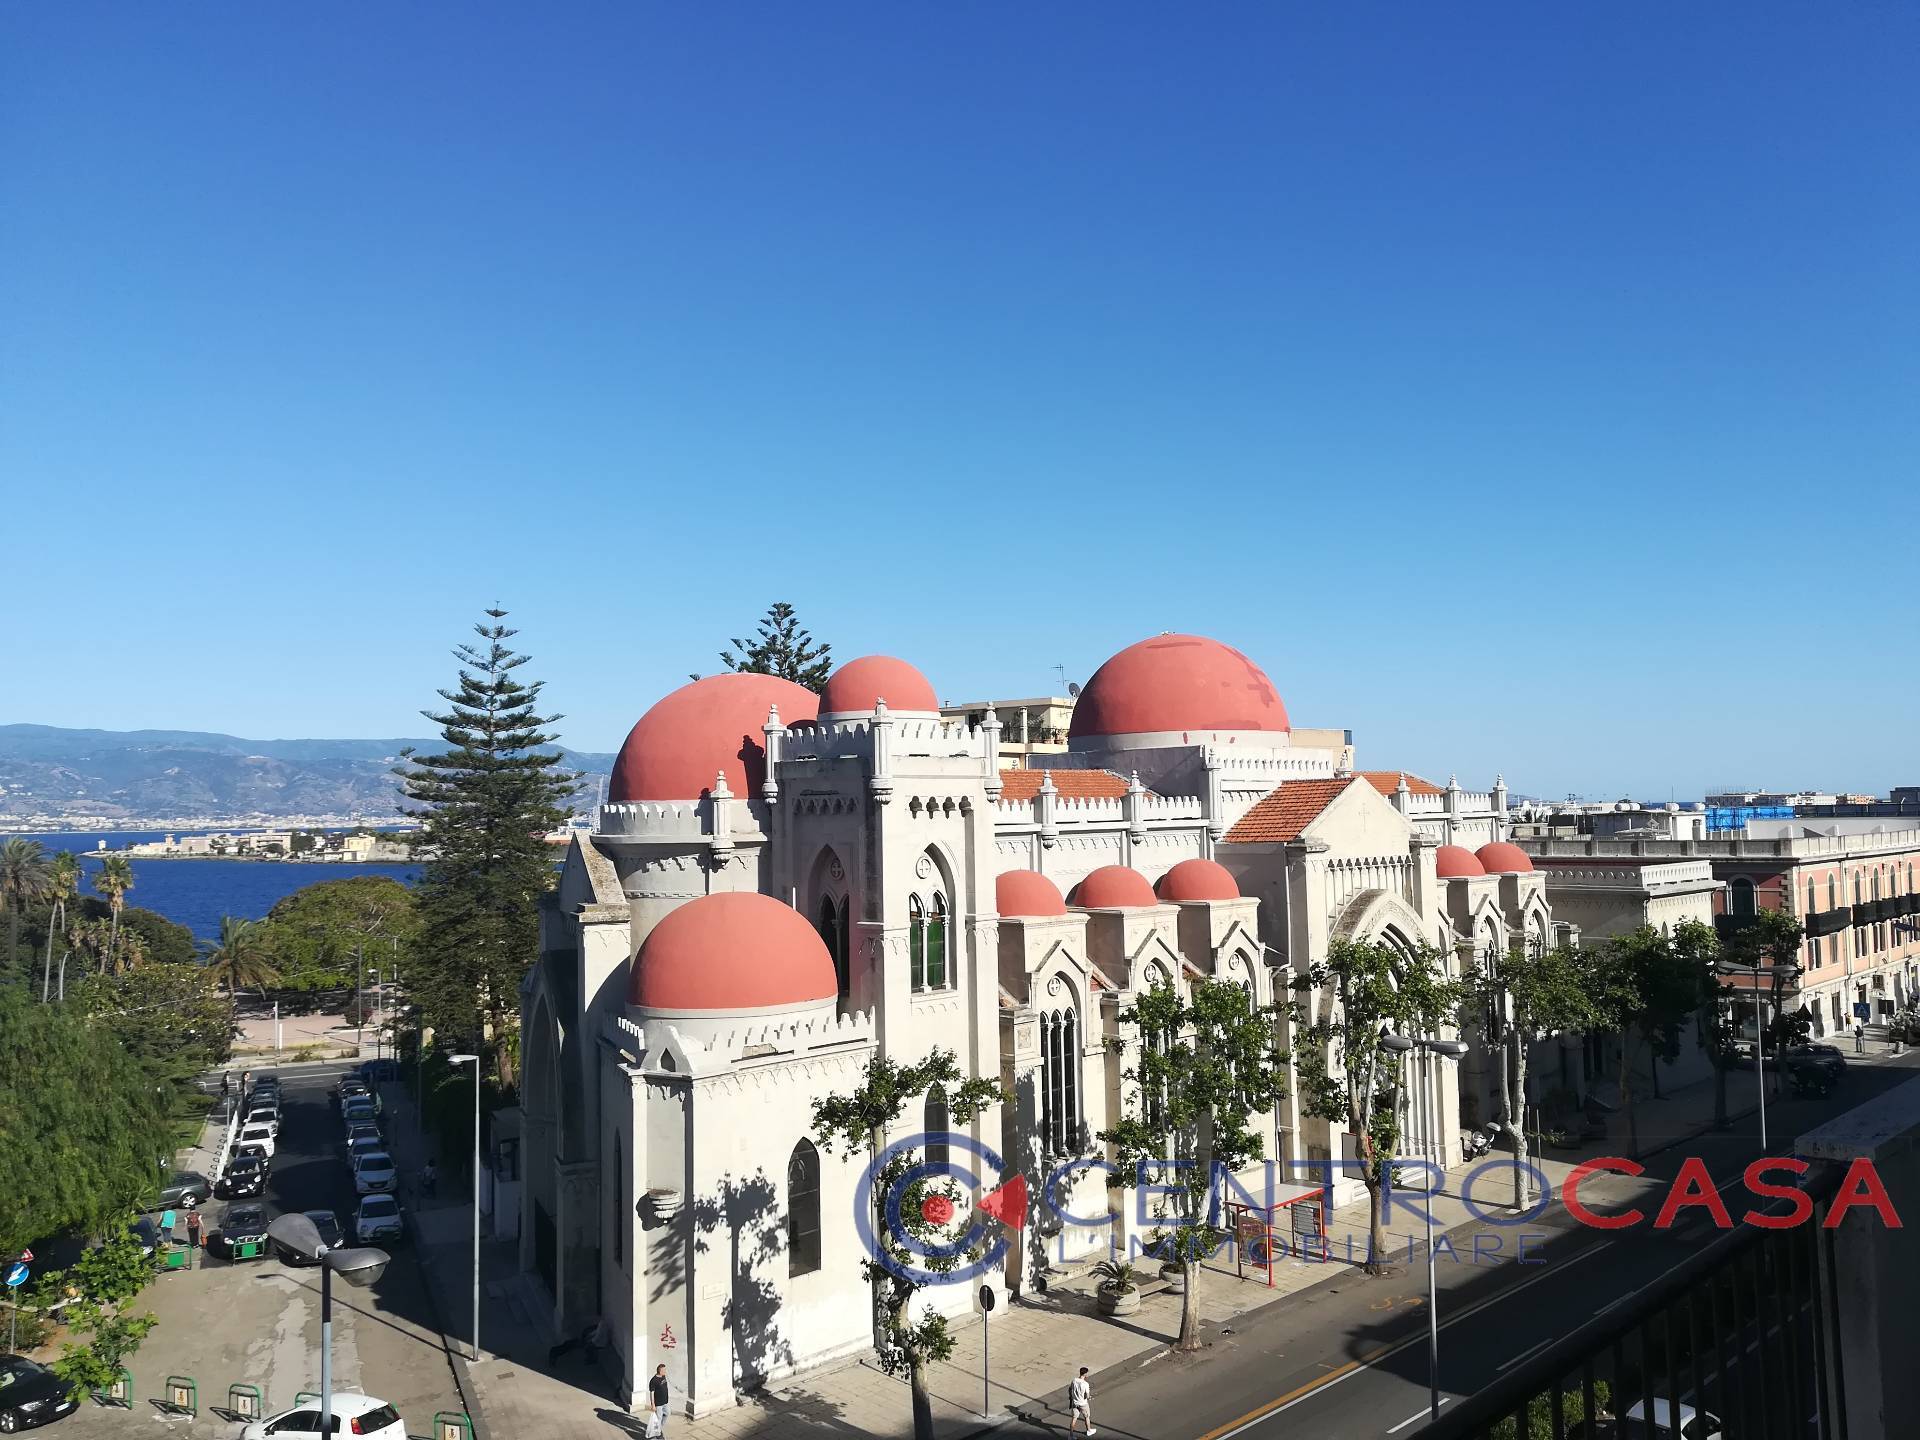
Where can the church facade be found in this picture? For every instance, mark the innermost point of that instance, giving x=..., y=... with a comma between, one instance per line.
x=783, y=885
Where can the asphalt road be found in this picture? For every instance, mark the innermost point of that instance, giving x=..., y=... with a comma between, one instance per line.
x=1348, y=1357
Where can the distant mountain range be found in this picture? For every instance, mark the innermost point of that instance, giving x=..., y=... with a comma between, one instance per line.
x=47, y=771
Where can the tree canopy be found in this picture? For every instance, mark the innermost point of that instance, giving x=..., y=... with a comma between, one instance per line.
x=782, y=648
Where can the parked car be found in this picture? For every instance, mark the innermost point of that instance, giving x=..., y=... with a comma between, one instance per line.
x=359, y=1415
x=364, y=1145
x=1825, y=1057
x=268, y=1117
x=244, y=1225
x=362, y=1130
x=346, y=1089
x=374, y=1171
x=257, y=1152
x=327, y=1223
x=31, y=1394
x=261, y=1135
x=1694, y=1424
x=372, y=1072
x=184, y=1190
x=246, y=1176
x=378, y=1218
x=358, y=1113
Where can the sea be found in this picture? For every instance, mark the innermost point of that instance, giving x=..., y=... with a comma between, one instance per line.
x=196, y=893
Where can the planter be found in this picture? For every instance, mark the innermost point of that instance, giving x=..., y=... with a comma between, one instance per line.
x=1175, y=1275
x=1117, y=1302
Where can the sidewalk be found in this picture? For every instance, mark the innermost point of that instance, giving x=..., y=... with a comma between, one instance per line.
x=1035, y=1341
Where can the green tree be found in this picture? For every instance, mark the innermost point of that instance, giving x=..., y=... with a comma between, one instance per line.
x=1532, y=994
x=111, y=1336
x=82, y=1126
x=1772, y=942
x=1342, y=1073
x=322, y=936
x=114, y=881
x=782, y=648
x=1203, y=1069
x=25, y=876
x=857, y=1123
x=240, y=958
x=1643, y=989
x=486, y=803
x=63, y=884
x=172, y=1020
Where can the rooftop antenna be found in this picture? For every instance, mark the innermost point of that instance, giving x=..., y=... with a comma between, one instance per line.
x=1061, y=671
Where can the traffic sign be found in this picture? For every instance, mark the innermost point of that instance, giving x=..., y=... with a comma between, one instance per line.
x=26, y=1254
x=17, y=1274
x=1861, y=1010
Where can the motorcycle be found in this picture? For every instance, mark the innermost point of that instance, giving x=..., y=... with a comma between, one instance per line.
x=1479, y=1142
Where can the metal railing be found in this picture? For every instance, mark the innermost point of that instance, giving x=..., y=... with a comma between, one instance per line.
x=1743, y=1330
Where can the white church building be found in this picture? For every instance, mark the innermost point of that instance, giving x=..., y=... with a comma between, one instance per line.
x=783, y=885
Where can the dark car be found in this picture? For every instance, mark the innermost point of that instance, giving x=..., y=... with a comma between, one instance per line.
x=243, y=1233
x=31, y=1394
x=373, y=1072
x=1824, y=1057
x=246, y=1176
x=327, y=1223
x=184, y=1190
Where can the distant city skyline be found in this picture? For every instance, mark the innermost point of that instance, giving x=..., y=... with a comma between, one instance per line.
x=1528, y=390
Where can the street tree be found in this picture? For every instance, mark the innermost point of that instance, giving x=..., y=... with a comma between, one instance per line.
x=170, y=1019
x=1643, y=989
x=1771, y=941
x=322, y=936
x=240, y=958
x=1342, y=1073
x=1203, y=1068
x=784, y=649
x=114, y=882
x=25, y=876
x=63, y=884
x=1527, y=997
x=857, y=1123
x=485, y=804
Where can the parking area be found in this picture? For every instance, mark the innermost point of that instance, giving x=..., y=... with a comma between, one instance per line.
x=257, y=1322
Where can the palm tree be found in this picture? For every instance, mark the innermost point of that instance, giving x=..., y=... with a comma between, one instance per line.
x=24, y=876
x=241, y=958
x=63, y=884
x=114, y=881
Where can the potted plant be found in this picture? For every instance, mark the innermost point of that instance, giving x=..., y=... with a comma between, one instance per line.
x=1119, y=1292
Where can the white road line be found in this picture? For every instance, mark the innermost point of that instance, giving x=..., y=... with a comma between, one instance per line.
x=1535, y=1350
x=1419, y=1414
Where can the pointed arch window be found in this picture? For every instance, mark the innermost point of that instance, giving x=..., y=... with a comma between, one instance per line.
x=938, y=1124
x=833, y=928
x=1060, y=1080
x=930, y=943
x=803, y=1210
x=938, y=970
x=917, y=941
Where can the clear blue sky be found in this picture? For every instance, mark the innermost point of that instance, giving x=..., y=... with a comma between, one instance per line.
x=1527, y=387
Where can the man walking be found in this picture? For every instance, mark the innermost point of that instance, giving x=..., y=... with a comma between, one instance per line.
x=193, y=1235
x=657, y=1396
x=1080, y=1398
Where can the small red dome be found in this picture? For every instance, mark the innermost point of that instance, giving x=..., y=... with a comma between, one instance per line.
x=1454, y=861
x=1027, y=893
x=1177, y=682
x=854, y=687
x=712, y=726
x=1114, y=887
x=732, y=952
x=1197, y=880
x=1501, y=858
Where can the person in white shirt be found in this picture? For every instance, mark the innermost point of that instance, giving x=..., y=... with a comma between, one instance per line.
x=1080, y=1398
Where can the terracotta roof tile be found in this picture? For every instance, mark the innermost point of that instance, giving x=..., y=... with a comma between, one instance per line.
x=1287, y=810
x=1072, y=784
x=1388, y=781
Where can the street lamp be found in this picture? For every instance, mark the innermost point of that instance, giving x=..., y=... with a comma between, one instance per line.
x=1780, y=973
x=474, y=1060
x=1446, y=1050
x=361, y=1267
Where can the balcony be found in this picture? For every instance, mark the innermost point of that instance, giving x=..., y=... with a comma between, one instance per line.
x=1868, y=912
x=1828, y=922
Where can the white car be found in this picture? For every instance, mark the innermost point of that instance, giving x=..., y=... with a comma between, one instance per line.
x=361, y=1416
x=374, y=1171
x=1694, y=1424
x=364, y=1145
x=264, y=1115
x=378, y=1218
x=252, y=1134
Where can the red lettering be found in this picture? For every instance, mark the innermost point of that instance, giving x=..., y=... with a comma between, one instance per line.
x=1861, y=1186
x=1693, y=1189
x=1570, y=1192
x=1802, y=1209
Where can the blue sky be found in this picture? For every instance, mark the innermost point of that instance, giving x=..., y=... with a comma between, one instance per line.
x=1526, y=387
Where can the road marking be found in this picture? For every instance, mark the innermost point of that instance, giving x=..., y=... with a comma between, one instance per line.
x=1419, y=1415
x=1534, y=1350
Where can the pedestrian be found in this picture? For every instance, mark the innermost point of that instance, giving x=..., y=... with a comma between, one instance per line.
x=1080, y=1398
x=226, y=1083
x=657, y=1394
x=1859, y=1038
x=193, y=1234
x=429, y=1178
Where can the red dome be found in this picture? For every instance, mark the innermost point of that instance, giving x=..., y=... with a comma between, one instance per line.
x=732, y=952
x=1197, y=880
x=1454, y=861
x=1500, y=858
x=1027, y=893
x=1177, y=683
x=857, y=684
x=1113, y=887
x=713, y=725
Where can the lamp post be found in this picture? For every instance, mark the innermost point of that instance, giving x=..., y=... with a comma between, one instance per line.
x=1780, y=973
x=474, y=1060
x=361, y=1267
x=1446, y=1050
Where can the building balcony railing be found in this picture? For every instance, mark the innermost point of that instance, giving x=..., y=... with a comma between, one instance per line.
x=1746, y=1329
x=1868, y=912
x=1828, y=922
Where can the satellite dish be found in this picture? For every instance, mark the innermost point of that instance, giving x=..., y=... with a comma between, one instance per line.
x=1073, y=688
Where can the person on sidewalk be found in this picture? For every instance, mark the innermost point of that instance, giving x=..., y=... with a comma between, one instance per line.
x=657, y=1397
x=193, y=1234
x=1080, y=1400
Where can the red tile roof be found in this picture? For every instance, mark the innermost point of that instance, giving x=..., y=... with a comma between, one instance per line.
x=1287, y=810
x=1072, y=784
x=1388, y=781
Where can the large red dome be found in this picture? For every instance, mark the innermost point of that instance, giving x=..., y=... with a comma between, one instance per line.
x=1452, y=862
x=854, y=687
x=730, y=951
x=1026, y=894
x=1198, y=880
x=712, y=726
x=1114, y=887
x=1177, y=683
x=1501, y=858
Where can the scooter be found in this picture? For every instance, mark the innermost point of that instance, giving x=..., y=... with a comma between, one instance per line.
x=1479, y=1142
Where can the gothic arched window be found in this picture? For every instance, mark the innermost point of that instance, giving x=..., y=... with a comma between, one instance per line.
x=939, y=972
x=803, y=1209
x=1060, y=1080
x=917, y=941
x=832, y=926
